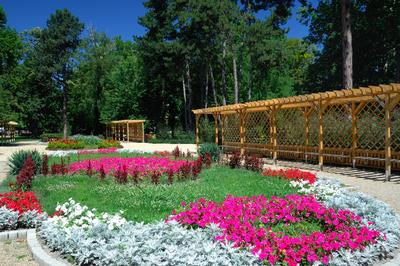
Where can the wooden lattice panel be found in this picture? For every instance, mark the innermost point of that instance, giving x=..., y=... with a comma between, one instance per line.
x=257, y=126
x=337, y=125
x=290, y=127
x=313, y=128
x=232, y=128
x=395, y=119
x=371, y=126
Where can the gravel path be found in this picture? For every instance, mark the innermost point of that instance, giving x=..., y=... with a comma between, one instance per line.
x=15, y=253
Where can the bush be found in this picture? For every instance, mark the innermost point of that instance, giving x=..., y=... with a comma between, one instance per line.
x=253, y=163
x=65, y=144
x=210, y=148
x=91, y=141
x=45, y=165
x=25, y=176
x=18, y=158
x=235, y=160
x=45, y=137
x=109, y=144
x=180, y=137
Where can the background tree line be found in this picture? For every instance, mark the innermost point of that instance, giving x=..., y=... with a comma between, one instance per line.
x=194, y=54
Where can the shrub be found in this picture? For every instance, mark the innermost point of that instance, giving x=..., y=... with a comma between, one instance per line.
x=25, y=176
x=66, y=144
x=45, y=137
x=18, y=158
x=136, y=176
x=45, y=164
x=207, y=159
x=59, y=169
x=185, y=170
x=176, y=152
x=210, y=148
x=121, y=175
x=253, y=163
x=89, y=169
x=155, y=177
x=196, y=168
x=102, y=173
x=91, y=141
x=235, y=160
x=170, y=176
x=109, y=144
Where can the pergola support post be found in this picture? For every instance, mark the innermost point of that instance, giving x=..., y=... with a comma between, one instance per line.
x=388, y=152
x=242, y=114
x=215, y=115
x=353, y=133
x=274, y=136
x=320, y=137
x=197, y=130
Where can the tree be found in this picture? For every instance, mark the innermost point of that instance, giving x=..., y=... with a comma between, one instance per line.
x=54, y=53
x=347, y=52
x=10, y=52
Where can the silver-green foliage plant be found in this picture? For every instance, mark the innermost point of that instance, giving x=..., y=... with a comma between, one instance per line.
x=17, y=159
x=128, y=243
x=8, y=219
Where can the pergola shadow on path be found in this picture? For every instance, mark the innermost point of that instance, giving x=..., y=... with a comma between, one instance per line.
x=356, y=127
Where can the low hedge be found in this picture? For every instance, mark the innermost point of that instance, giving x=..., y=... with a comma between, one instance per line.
x=45, y=137
x=66, y=145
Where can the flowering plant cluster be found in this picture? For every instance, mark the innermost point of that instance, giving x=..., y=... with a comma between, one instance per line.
x=65, y=144
x=291, y=174
x=72, y=215
x=26, y=174
x=248, y=222
x=139, y=167
x=20, y=209
x=320, y=190
x=99, y=151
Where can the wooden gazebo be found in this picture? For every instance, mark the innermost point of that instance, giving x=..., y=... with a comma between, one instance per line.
x=357, y=127
x=126, y=130
x=7, y=131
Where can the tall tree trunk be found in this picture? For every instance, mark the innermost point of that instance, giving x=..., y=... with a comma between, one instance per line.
x=347, y=50
x=397, y=58
x=189, y=95
x=249, y=91
x=223, y=74
x=65, y=110
x=235, y=80
x=213, y=85
x=185, y=102
x=206, y=89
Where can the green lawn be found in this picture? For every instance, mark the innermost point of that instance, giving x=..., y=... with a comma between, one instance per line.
x=151, y=202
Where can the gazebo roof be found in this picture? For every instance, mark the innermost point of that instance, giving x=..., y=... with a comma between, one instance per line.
x=12, y=123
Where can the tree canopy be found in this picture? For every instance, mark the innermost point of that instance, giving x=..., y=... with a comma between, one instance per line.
x=193, y=54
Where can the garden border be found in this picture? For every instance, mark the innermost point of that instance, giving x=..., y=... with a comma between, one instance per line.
x=39, y=254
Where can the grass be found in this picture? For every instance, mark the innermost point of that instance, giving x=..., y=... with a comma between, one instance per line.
x=150, y=202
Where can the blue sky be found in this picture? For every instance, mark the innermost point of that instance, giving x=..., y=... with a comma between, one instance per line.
x=117, y=17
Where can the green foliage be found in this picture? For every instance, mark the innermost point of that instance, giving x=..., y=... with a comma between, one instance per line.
x=176, y=137
x=90, y=141
x=149, y=203
x=17, y=160
x=66, y=145
x=45, y=137
x=109, y=144
x=210, y=148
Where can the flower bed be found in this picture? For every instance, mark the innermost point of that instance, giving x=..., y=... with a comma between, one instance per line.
x=19, y=209
x=92, y=238
x=291, y=174
x=139, y=167
x=99, y=151
x=79, y=144
x=248, y=223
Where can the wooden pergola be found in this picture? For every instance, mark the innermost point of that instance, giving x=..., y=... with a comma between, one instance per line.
x=7, y=131
x=126, y=130
x=358, y=127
